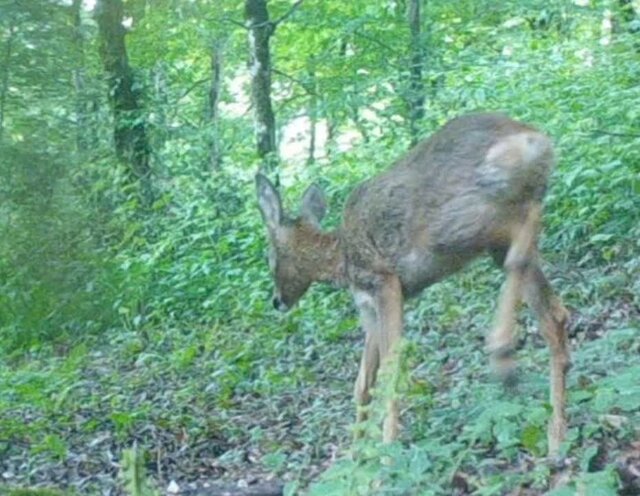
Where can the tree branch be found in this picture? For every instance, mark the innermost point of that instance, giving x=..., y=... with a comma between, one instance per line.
x=303, y=85
x=191, y=88
x=272, y=24
x=237, y=23
x=287, y=14
x=376, y=41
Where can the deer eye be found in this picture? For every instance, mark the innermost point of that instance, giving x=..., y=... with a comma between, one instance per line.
x=271, y=259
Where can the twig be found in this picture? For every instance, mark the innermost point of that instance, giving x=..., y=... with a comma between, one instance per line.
x=295, y=80
x=289, y=100
x=287, y=14
x=233, y=21
x=611, y=133
x=376, y=41
x=192, y=87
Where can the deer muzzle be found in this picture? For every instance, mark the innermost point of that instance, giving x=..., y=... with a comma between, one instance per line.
x=279, y=305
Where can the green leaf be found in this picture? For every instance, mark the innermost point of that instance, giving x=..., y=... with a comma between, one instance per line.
x=602, y=483
x=532, y=438
x=562, y=491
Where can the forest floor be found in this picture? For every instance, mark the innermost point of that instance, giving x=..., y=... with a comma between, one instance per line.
x=198, y=418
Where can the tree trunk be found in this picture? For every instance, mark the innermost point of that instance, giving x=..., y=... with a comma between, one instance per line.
x=260, y=30
x=160, y=104
x=416, y=86
x=311, y=157
x=313, y=118
x=130, y=134
x=6, y=66
x=331, y=116
x=214, y=104
x=332, y=128
x=353, y=111
x=82, y=122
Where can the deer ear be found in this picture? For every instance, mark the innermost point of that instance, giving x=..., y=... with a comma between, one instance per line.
x=268, y=201
x=314, y=204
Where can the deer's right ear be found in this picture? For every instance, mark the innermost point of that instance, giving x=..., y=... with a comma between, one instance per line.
x=268, y=201
x=314, y=204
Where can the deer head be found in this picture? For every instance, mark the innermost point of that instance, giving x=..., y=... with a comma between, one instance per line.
x=293, y=248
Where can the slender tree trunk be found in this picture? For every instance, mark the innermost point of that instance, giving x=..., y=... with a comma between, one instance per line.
x=333, y=119
x=332, y=126
x=313, y=118
x=311, y=157
x=130, y=134
x=416, y=86
x=160, y=104
x=215, y=92
x=82, y=124
x=6, y=66
x=260, y=30
x=354, y=113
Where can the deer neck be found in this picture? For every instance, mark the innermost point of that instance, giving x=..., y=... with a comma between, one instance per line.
x=327, y=258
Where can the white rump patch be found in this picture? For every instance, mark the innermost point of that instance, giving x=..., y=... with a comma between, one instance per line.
x=518, y=149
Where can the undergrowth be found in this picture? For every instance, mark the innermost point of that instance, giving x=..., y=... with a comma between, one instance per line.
x=144, y=344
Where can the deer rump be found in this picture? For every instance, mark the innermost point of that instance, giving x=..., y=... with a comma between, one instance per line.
x=454, y=197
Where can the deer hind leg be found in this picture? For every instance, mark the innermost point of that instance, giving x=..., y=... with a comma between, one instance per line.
x=519, y=257
x=553, y=317
x=389, y=304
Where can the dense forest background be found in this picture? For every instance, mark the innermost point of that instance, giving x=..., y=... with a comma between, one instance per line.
x=139, y=353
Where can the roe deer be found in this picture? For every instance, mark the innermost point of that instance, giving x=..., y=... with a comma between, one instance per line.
x=475, y=187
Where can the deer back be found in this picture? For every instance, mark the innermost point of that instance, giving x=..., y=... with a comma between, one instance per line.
x=454, y=196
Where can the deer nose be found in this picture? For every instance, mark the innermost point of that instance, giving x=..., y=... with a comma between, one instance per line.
x=278, y=304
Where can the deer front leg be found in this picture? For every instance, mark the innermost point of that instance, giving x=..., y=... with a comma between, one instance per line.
x=370, y=360
x=381, y=317
x=553, y=317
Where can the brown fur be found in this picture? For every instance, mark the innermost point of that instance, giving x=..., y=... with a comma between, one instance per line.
x=474, y=187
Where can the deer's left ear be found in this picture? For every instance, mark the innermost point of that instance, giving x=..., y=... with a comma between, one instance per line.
x=314, y=204
x=268, y=201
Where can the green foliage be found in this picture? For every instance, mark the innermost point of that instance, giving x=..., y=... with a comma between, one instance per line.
x=119, y=320
x=464, y=445
x=54, y=276
x=32, y=492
